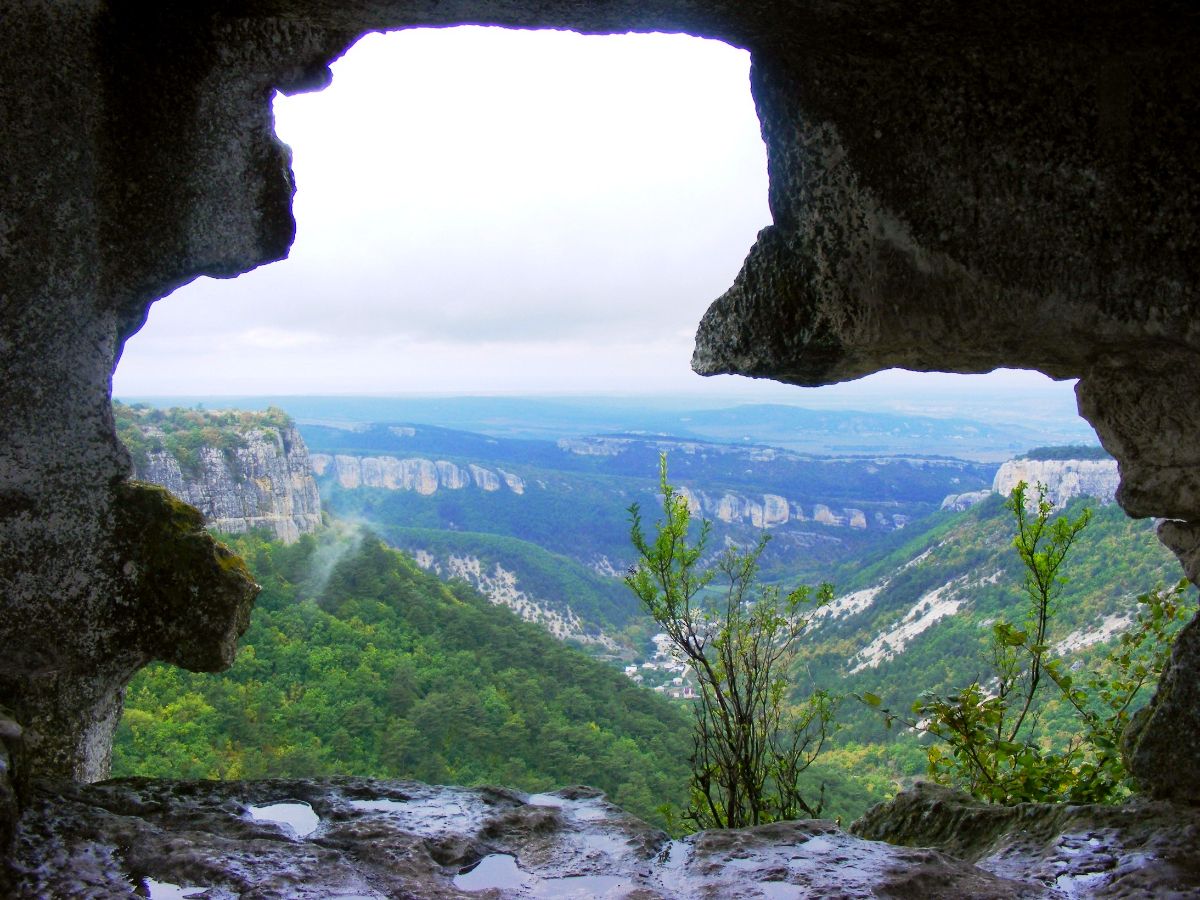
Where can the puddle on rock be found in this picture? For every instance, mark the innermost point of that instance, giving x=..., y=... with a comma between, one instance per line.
x=818, y=844
x=1080, y=885
x=608, y=844
x=1076, y=844
x=675, y=855
x=497, y=870
x=164, y=890
x=299, y=817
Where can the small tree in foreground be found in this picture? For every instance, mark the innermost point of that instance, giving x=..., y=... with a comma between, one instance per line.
x=989, y=741
x=749, y=746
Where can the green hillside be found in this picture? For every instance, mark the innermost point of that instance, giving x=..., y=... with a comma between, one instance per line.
x=954, y=581
x=576, y=492
x=357, y=662
x=552, y=579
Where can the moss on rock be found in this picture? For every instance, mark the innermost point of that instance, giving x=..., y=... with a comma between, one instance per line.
x=190, y=594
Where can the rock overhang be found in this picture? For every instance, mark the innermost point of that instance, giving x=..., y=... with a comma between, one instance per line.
x=951, y=189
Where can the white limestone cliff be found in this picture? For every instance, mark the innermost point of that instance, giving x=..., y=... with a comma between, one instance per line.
x=424, y=476
x=1065, y=479
x=266, y=483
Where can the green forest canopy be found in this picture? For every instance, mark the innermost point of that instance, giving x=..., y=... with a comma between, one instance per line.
x=357, y=662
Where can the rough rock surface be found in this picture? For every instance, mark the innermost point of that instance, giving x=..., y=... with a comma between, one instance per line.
x=1164, y=736
x=994, y=188
x=969, y=191
x=1142, y=849
x=267, y=483
x=175, y=594
x=401, y=839
x=1065, y=479
x=13, y=773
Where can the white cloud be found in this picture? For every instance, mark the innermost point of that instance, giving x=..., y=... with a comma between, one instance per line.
x=485, y=211
x=498, y=190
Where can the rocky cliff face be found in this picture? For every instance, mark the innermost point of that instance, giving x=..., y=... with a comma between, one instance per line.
x=767, y=510
x=425, y=476
x=502, y=587
x=266, y=482
x=1065, y=479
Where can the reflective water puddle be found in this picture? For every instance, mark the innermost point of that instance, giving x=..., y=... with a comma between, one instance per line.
x=164, y=890
x=299, y=817
x=497, y=870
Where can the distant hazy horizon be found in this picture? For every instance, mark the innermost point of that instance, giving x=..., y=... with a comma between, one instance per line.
x=1022, y=398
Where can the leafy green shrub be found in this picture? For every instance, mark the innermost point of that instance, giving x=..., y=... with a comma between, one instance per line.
x=991, y=743
x=749, y=747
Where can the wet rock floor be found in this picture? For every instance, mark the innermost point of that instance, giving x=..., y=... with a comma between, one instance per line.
x=357, y=838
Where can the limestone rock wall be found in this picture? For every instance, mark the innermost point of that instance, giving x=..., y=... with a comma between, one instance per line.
x=267, y=483
x=425, y=476
x=953, y=187
x=770, y=510
x=1065, y=479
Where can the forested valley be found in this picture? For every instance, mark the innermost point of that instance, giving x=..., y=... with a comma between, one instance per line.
x=359, y=661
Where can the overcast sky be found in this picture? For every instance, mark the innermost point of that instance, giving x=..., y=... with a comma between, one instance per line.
x=492, y=211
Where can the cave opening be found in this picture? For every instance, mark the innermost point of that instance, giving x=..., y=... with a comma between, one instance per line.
x=553, y=219
x=115, y=189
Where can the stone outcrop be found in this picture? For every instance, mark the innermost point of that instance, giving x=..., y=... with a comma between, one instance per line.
x=425, y=476
x=515, y=482
x=265, y=483
x=13, y=787
x=1165, y=734
x=175, y=594
x=1142, y=849
x=771, y=510
x=402, y=839
x=1065, y=479
x=960, y=502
